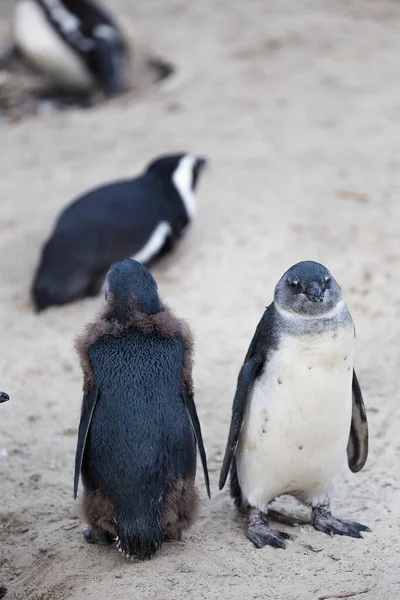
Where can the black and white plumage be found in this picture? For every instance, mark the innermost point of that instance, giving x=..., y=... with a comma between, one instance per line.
x=298, y=407
x=75, y=44
x=142, y=218
x=4, y=397
x=137, y=436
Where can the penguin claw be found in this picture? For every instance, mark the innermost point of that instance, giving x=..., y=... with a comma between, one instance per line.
x=260, y=533
x=324, y=521
x=359, y=526
x=270, y=537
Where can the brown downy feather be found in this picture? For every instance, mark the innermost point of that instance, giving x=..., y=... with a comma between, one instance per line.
x=98, y=511
x=164, y=323
x=181, y=507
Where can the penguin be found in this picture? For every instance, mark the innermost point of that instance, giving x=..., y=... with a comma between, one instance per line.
x=74, y=43
x=4, y=397
x=136, y=449
x=142, y=218
x=77, y=46
x=298, y=412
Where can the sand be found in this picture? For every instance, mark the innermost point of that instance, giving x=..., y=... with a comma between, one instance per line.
x=297, y=106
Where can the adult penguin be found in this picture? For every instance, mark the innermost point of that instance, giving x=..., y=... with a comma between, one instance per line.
x=76, y=45
x=142, y=218
x=298, y=413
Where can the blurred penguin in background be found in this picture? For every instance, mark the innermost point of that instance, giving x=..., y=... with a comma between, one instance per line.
x=78, y=47
x=142, y=218
x=4, y=397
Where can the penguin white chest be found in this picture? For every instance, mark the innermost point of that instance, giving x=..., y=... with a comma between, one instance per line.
x=45, y=49
x=298, y=418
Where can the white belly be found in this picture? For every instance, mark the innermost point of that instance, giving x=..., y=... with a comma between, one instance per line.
x=297, y=423
x=46, y=50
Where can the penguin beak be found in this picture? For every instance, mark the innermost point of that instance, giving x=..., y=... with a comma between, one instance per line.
x=201, y=163
x=314, y=292
x=4, y=397
x=197, y=169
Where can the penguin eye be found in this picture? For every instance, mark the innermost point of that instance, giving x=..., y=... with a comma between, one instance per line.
x=294, y=282
x=327, y=279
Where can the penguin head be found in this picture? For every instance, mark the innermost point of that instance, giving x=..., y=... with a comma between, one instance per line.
x=308, y=289
x=188, y=166
x=4, y=397
x=127, y=279
x=109, y=60
x=183, y=172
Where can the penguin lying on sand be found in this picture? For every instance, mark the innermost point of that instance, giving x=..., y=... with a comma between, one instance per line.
x=139, y=427
x=298, y=406
x=76, y=45
x=142, y=218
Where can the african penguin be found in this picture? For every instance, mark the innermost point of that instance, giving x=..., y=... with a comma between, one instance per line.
x=74, y=43
x=142, y=218
x=80, y=52
x=4, y=397
x=137, y=436
x=298, y=406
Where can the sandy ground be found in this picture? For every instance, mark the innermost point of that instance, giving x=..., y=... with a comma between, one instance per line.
x=297, y=106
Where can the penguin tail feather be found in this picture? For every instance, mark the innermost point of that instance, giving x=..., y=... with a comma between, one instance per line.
x=139, y=537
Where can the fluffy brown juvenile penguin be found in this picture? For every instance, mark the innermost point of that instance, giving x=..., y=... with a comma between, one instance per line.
x=137, y=436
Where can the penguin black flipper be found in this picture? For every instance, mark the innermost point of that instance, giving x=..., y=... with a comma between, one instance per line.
x=256, y=355
x=357, y=448
x=246, y=378
x=88, y=405
x=191, y=408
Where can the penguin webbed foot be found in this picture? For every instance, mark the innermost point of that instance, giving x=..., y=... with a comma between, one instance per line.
x=261, y=534
x=102, y=538
x=324, y=521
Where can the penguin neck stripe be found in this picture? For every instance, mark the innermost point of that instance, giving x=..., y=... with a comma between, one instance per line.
x=293, y=315
x=182, y=179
